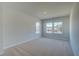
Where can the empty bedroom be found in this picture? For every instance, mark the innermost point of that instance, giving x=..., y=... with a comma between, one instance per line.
x=39, y=28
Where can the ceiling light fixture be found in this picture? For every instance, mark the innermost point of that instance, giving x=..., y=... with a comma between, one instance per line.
x=44, y=12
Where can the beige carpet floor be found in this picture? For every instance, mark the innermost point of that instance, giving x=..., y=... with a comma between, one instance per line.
x=41, y=47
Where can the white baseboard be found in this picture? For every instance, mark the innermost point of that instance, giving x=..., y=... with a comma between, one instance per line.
x=20, y=42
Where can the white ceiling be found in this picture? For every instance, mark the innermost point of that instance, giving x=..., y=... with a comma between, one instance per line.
x=42, y=10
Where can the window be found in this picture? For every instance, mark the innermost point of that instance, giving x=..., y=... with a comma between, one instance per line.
x=49, y=27
x=37, y=27
x=56, y=27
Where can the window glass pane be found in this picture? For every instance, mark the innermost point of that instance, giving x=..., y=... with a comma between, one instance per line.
x=49, y=27
x=37, y=27
x=58, y=28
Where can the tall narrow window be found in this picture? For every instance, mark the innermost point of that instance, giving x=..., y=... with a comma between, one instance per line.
x=58, y=27
x=49, y=27
x=37, y=27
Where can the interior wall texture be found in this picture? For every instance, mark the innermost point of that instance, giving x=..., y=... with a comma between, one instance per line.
x=1, y=28
x=19, y=26
x=74, y=29
x=64, y=35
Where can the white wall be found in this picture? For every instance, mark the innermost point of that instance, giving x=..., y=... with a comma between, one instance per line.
x=74, y=29
x=19, y=27
x=1, y=29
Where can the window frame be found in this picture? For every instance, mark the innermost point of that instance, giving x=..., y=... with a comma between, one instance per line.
x=61, y=32
x=47, y=27
x=53, y=27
